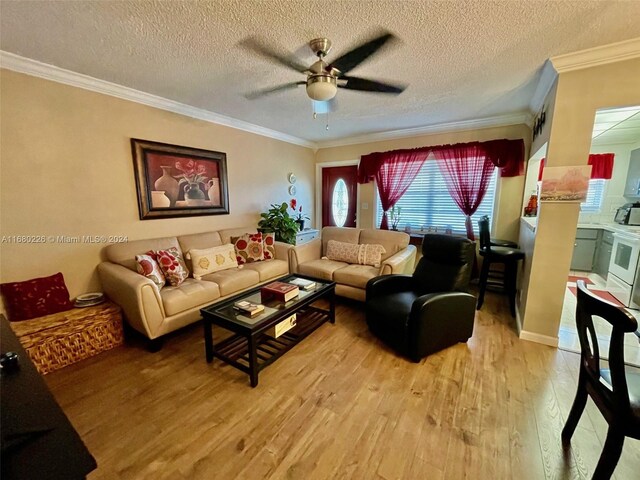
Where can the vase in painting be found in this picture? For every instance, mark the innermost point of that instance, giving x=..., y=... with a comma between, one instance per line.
x=193, y=195
x=167, y=184
x=214, y=191
x=159, y=199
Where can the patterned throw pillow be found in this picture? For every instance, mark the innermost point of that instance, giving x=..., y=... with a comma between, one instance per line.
x=36, y=297
x=249, y=248
x=172, y=265
x=147, y=266
x=343, y=251
x=268, y=244
x=211, y=260
x=364, y=254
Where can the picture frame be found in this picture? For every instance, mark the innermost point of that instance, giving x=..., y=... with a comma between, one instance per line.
x=565, y=184
x=178, y=181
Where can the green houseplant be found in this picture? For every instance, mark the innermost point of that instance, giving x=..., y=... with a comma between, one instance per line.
x=278, y=221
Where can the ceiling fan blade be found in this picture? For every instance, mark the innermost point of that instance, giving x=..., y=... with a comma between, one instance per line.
x=355, y=57
x=365, y=85
x=267, y=91
x=256, y=46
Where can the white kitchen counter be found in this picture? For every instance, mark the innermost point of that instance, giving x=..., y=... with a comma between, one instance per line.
x=632, y=230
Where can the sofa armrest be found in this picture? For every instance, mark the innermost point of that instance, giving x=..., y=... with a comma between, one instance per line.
x=138, y=297
x=401, y=262
x=438, y=320
x=282, y=250
x=388, y=284
x=306, y=252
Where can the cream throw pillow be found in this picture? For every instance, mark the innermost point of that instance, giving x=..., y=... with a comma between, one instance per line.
x=210, y=260
x=365, y=254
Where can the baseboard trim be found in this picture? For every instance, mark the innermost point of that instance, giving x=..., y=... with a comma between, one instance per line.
x=538, y=338
x=518, y=319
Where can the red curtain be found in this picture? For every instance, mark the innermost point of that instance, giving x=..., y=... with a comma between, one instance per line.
x=601, y=163
x=467, y=171
x=394, y=176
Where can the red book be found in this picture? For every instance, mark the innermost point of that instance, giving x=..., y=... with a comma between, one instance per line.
x=280, y=291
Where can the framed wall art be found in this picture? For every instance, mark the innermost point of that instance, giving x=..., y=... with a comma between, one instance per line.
x=565, y=184
x=176, y=181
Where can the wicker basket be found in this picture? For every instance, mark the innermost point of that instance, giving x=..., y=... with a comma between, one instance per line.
x=58, y=340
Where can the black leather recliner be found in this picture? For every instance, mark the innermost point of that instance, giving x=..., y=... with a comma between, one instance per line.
x=430, y=310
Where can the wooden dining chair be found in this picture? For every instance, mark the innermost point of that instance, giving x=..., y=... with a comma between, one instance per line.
x=615, y=392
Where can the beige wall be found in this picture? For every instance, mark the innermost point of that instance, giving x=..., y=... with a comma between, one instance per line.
x=66, y=169
x=579, y=94
x=506, y=224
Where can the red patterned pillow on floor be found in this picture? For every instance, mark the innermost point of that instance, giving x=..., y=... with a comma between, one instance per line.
x=172, y=265
x=268, y=245
x=36, y=298
x=249, y=248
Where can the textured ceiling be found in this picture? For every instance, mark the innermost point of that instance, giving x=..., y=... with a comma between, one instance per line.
x=462, y=59
x=619, y=125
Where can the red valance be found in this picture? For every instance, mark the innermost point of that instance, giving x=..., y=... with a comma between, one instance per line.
x=508, y=155
x=601, y=163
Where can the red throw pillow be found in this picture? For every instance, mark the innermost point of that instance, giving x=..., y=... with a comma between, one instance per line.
x=249, y=248
x=36, y=298
x=268, y=243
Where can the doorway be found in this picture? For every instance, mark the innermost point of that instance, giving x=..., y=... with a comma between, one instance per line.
x=339, y=196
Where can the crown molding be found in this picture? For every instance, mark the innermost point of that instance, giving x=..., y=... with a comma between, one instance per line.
x=488, y=122
x=592, y=57
x=547, y=78
x=34, y=68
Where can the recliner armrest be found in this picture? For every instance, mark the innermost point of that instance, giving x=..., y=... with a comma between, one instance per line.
x=306, y=252
x=438, y=320
x=388, y=284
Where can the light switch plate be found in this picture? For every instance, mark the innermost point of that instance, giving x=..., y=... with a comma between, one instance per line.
x=365, y=206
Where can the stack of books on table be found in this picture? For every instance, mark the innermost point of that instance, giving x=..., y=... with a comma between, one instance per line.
x=304, y=284
x=248, y=308
x=280, y=291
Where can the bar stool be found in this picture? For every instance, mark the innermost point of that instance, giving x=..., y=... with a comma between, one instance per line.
x=498, y=242
x=507, y=256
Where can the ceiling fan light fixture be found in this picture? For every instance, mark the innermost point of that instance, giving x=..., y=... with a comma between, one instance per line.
x=321, y=87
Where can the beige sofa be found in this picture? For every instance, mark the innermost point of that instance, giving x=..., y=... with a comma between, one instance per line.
x=155, y=312
x=351, y=279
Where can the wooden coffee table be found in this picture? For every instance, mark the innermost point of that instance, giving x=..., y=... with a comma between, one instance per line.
x=250, y=348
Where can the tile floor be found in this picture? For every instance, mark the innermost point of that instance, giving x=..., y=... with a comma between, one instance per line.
x=568, y=337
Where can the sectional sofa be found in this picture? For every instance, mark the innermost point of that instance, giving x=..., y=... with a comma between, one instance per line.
x=155, y=311
x=351, y=276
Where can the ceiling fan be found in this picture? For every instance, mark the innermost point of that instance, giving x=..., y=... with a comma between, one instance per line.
x=324, y=79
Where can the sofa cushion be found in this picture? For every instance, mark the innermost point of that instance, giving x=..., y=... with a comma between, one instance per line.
x=172, y=265
x=211, y=260
x=226, y=234
x=269, y=268
x=249, y=248
x=233, y=280
x=355, y=275
x=340, y=234
x=125, y=253
x=191, y=293
x=199, y=241
x=148, y=267
x=371, y=254
x=343, y=251
x=322, y=268
x=36, y=297
x=268, y=244
x=392, y=241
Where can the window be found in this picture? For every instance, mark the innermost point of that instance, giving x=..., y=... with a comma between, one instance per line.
x=340, y=203
x=593, y=203
x=427, y=203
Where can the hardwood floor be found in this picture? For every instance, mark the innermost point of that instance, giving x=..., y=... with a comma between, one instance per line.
x=339, y=405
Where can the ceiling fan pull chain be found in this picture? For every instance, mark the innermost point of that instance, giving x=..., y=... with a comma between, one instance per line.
x=327, y=127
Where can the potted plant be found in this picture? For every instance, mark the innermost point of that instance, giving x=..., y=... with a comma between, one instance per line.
x=395, y=217
x=278, y=221
x=297, y=211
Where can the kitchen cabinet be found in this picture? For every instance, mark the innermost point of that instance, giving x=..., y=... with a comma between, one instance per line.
x=603, y=254
x=584, y=249
x=632, y=187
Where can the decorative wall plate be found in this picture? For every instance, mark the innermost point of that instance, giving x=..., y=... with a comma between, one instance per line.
x=292, y=178
x=292, y=189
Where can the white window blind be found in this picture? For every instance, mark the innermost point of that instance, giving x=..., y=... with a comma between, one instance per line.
x=595, y=195
x=427, y=203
